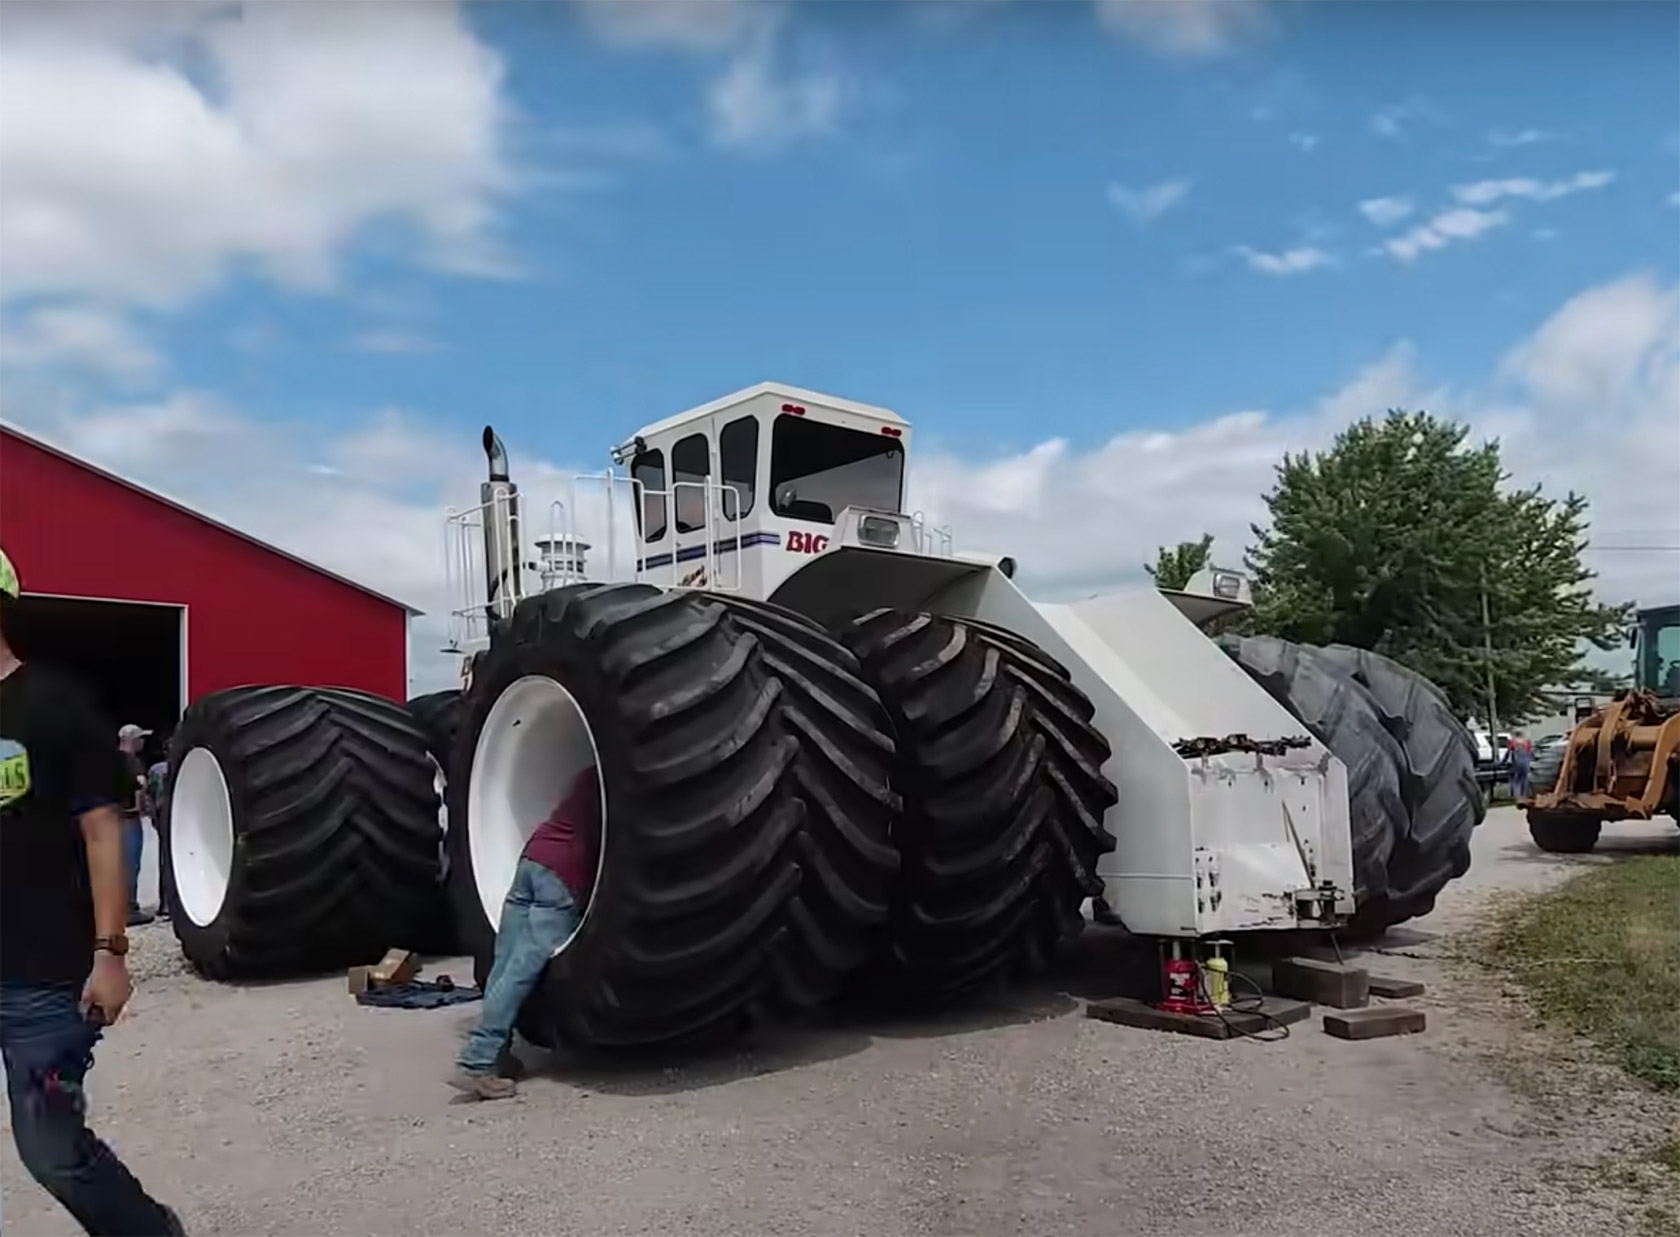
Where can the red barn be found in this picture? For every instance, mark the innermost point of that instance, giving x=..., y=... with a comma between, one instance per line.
x=156, y=604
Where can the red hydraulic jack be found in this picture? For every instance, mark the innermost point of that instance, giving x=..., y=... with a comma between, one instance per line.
x=1189, y=986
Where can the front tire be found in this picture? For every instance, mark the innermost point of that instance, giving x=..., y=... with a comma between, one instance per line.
x=1341, y=715
x=688, y=925
x=843, y=776
x=1444, y=804
x=1004, y=797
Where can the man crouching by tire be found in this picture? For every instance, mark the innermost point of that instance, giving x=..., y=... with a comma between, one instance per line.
x=550, y=891
x=63, y=911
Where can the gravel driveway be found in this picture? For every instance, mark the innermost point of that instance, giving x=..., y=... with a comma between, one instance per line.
x=288, y=1109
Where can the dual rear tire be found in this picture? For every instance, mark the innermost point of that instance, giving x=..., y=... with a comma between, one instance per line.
x=787, y=816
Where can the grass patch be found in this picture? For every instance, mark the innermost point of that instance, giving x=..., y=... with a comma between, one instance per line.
x=1601, y=955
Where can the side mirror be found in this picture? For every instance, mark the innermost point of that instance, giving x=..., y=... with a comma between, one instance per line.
x=1633, y=637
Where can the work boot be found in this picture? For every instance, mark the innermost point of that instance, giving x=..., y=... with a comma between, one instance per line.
x=482, y=1084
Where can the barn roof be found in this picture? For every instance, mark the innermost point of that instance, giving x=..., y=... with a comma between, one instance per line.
x=34, y=439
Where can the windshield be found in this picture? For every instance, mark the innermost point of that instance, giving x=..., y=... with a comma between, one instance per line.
x=1657, y=651
x=817, y=470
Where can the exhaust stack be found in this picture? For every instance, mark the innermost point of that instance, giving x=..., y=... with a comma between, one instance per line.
x=500, y=499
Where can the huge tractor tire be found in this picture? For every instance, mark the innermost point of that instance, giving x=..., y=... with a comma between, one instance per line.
x=1004, y=796
x=686, y=931
x=439, y=715
x=843, y=775
x=300, y=831
x=1444, y=803
x=1341, y=715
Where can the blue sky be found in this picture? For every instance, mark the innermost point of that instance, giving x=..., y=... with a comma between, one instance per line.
x=1063, y=239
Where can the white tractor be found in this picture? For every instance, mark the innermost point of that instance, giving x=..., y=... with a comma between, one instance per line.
x=840, y=756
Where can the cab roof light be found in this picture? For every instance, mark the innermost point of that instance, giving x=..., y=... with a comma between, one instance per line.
x=795, y=409
x=892, y=431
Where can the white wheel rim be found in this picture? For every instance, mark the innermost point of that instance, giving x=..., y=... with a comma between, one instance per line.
x=534, y=743
x=200, y=836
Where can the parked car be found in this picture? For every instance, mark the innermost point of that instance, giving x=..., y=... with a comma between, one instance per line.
x=1548, y=757
x=1493, y=760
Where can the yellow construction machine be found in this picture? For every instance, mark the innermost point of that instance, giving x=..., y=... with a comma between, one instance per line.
x=1622, y=761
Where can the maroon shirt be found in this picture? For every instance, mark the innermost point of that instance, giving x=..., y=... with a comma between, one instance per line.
x=568, y=842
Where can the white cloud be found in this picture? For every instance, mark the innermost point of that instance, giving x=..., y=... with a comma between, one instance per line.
x=758, y=104
x=1487, y=192
x=1609, y=357
x=1399, y=119
x=83, y=338
x=1294, y=261
x=1674, y=198
x=1385, y=212
x=147, y=150
x=1151, y=202
x=1185, y=27
x=1306, y=142
x=1511, y=138
x=1461, y=224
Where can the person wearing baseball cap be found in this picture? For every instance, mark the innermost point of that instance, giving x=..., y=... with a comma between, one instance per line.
x=63, y=946
x=136, y=806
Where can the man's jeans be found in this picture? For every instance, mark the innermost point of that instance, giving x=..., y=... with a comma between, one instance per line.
x=538, y=917
x=134, y=850
x=48, y=1050
x=1519, y=781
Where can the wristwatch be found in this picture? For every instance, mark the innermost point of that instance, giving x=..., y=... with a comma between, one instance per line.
x=116, y=945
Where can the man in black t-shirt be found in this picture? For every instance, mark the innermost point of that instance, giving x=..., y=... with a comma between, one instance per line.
x=63, y=951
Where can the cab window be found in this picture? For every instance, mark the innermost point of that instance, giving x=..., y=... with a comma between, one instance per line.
x=817, y=470
x=649, y=470
x=738, y=461
x=690, y=462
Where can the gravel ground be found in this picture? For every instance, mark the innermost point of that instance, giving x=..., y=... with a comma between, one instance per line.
x=288, y=1109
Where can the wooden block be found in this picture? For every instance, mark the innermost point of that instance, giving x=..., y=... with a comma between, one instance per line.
x=1322, y=983
x=1377, y=1023
x=398, y=966
x=357, y=980
x=1395, y=989
x=1127, y=1012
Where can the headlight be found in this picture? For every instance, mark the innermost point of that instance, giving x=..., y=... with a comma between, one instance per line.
x=879, y=532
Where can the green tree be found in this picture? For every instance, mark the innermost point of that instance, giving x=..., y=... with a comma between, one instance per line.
x=1173, y=568
x=1391, y=540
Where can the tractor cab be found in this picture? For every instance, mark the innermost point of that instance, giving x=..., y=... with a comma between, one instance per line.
x=737, y=494
x=1656, y=652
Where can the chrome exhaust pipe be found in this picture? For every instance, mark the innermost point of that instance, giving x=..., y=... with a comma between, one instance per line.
x=502, y=556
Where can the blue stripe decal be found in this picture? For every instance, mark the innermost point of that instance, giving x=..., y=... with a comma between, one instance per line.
x=726, y=546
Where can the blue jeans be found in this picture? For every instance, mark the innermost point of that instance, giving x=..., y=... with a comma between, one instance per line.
x=134, y=849
x=538, y=917
x=48, y=1049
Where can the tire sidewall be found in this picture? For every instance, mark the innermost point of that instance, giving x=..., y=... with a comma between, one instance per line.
x=571, y=663
x=202, y=727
